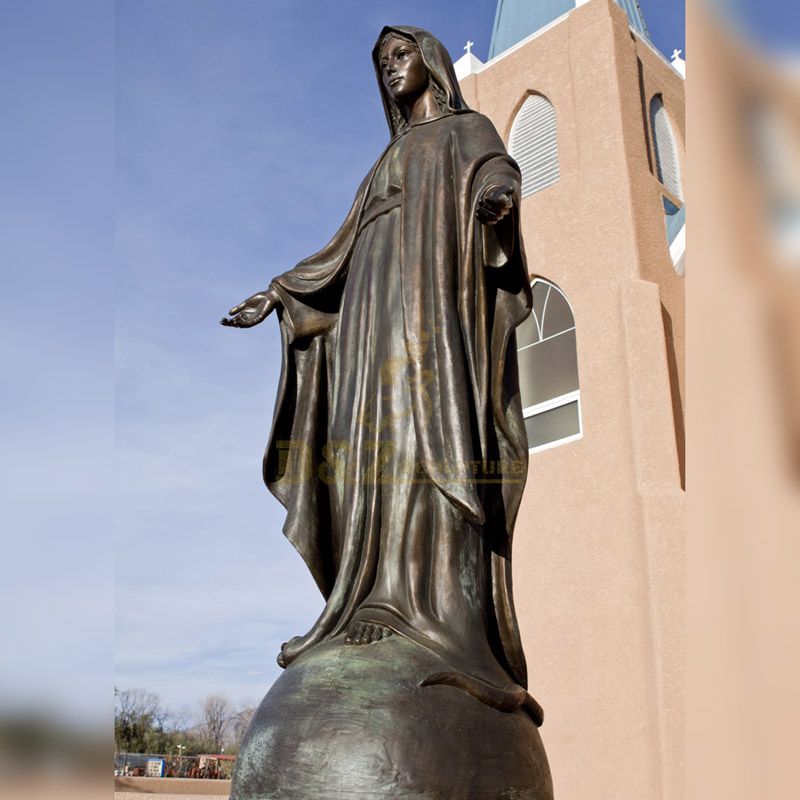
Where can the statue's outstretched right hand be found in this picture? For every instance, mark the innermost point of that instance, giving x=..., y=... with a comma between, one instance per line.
x=250, y=312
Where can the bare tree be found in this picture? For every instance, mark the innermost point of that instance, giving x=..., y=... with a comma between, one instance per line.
x=241, y=722
x=218, y=714
x=139, y=719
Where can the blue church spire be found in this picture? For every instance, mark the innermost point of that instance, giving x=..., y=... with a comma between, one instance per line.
x=514, y=20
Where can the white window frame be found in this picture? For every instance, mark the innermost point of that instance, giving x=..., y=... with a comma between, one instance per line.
x=546, y=338
x=561, y=400
x=548, y=405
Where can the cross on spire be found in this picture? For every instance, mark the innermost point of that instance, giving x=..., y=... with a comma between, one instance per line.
x=468, y=46
x=676, y=54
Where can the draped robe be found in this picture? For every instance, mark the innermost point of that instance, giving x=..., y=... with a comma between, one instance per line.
x=461, y=289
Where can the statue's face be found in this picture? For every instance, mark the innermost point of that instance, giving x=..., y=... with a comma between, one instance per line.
x=403, y=71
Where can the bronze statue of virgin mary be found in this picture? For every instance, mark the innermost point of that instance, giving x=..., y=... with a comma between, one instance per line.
x=399, y=452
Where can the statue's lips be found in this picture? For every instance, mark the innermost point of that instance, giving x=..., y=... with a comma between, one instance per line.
x=395, y=81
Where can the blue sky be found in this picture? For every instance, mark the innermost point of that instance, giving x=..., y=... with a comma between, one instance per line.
x=56, y=460
x=242, y=130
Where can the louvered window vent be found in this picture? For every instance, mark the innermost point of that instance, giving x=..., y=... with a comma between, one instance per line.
x=666, y=149
x=534, y=144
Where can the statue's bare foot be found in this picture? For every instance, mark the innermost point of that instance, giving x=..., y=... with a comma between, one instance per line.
x=366, y=633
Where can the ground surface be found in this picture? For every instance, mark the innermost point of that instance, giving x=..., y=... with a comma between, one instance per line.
x=170, y=789
x=140, y=796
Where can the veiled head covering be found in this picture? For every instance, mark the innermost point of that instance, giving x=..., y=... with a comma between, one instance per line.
x=440, y=67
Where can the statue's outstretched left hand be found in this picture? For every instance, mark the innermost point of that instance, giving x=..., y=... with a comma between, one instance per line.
x=495, y=204
x=250, y=312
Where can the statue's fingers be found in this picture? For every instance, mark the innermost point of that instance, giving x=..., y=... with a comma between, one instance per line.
x=499, y=201
x=236, y=309
x=506, y=191
x=240, y=321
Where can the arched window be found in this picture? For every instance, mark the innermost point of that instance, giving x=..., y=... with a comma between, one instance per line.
x=668, y=166
x=675, y=220
x=548, y=370
x=533, y=144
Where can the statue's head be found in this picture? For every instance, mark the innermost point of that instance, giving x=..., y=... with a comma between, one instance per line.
x=403, y=72
x=409, y=61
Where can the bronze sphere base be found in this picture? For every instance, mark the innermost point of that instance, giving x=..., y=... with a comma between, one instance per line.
x=346, y=721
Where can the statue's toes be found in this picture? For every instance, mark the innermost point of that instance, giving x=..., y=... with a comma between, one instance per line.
x=282, y=662
x=360, y=633
x=354, y=633
x=291, y=649
x=371, y=634
x=365, y=636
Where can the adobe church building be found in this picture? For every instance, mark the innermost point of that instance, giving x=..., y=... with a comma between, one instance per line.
x=594, y=115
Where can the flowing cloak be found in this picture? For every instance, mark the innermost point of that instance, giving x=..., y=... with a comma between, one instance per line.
x=464, y=289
